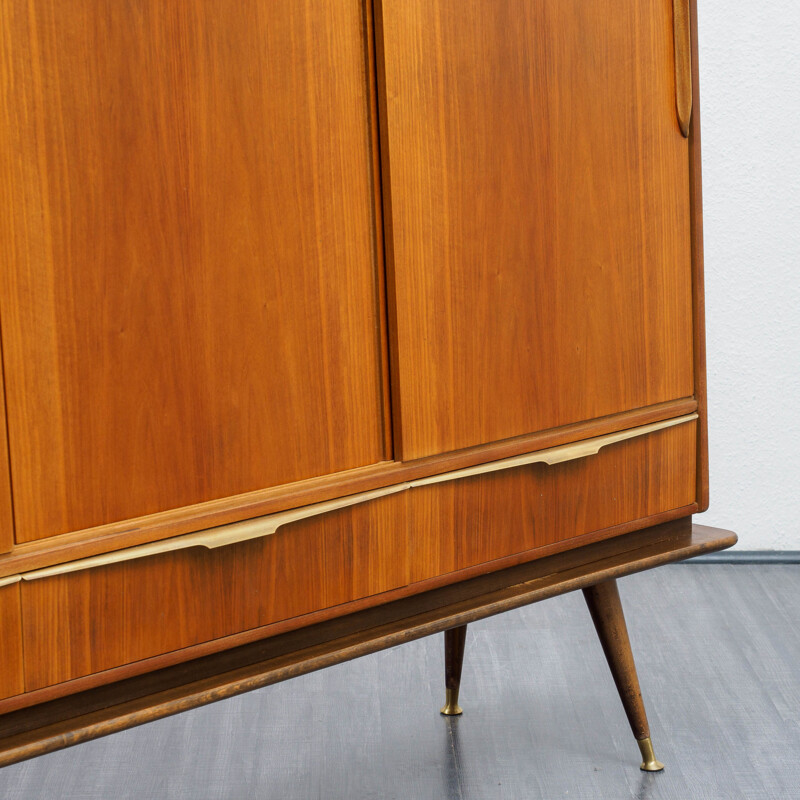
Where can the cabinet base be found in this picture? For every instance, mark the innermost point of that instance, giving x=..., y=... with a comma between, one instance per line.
x=107, y=709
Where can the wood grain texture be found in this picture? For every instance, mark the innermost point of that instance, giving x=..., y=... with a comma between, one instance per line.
x=260, y=527
x=455, y=641
x=496, y=515
x=92, y=621
x=538, y=216
x=133, y=532
x=6, y=504
x=609, y=622
x=698, y=280
x=189, y=292
x=683, y=63
x=11, y=676
x=678, y=516
x=98, y=619
x=66, y=722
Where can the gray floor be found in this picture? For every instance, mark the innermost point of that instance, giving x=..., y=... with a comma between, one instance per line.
x=718, y=650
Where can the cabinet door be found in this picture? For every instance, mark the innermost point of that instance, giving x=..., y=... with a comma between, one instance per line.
x=537, y=194
x=189, y=292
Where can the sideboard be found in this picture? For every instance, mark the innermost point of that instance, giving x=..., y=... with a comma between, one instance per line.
x=326, y=326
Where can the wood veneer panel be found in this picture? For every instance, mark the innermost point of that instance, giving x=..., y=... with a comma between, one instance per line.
x=11, y=677
x=496, y=515
x=6, y=508
x=189, y=292
x=101, y=618
x=537, y=215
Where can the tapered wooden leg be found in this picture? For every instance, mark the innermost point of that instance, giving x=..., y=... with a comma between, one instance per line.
x=609, y=621
x=454, y=641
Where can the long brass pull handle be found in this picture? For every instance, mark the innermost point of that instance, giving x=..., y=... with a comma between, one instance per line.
x=7, y=581
x=683, y=63
x=556, y=455
x=212, y=538
x=267, y=525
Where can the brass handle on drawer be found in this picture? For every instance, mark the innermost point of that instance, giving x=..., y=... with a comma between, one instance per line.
x=556, y=455
x=683, y=63
x=212, y=538
x=267, y=525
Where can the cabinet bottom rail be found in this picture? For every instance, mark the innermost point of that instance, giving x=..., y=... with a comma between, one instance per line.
x=93, y=713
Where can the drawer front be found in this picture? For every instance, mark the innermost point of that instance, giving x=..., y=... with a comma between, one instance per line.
x=11, y=682
x=460, y=524
x=96, y=619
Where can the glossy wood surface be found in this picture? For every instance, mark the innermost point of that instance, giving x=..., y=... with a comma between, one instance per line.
x=609, y=622
x=455, y=641
x=90, y=621
x=6, y=508
x=537, y=215
x=11, y=676
x=189, y=292
x=698, y=283
x=31, y=732
x=72, y=546
x=491, y=516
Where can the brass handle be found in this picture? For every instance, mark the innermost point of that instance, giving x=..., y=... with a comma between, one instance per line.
x=7, y=581
x=267, y=525
x=212, y=538
x=683, y=64
x=556, y=455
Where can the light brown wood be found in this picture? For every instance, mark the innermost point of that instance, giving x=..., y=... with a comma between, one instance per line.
x=189, y=291
x=90, y=621
x=676, y=517
x=97, y=619
x=133, y=532
x=539, y=214
x=6, y=510
x=106, y=710
x=491, y=517
x=260, y=527
x=213, y=538
x=698, y=287
x=208, y=373
x=683, y=63
x=11, y=676
x=555, y=455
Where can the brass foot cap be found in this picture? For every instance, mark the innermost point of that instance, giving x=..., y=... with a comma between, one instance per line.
x=451, y=708
x=649, y=763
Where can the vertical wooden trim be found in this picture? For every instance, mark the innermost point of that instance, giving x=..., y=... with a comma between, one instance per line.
x=698, y=289
x=11, y=681
x=6, y=501
x=379, y=242
x=388, y=233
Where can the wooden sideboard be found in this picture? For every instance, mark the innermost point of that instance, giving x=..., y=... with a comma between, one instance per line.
x=319, y=317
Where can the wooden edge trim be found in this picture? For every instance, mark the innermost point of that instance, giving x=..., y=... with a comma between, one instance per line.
x=566, y=577
x=268, y=525
x=698, y=281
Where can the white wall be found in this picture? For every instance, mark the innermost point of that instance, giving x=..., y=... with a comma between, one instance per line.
x=750, y=102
